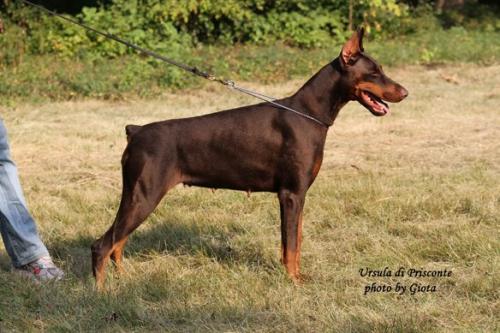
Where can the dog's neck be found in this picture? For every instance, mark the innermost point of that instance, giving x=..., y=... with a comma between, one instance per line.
x=323, y=95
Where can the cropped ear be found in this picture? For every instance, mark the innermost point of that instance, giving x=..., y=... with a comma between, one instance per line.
x=353, y=47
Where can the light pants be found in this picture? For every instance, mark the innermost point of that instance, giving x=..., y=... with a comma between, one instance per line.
x=17, y=227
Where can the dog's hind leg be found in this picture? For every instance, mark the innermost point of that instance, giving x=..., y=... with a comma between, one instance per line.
x=107, y=246
x=117, y=255
x=143, y=188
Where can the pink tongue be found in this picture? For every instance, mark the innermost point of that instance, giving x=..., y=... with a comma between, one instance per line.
x=383, y=108
x=380, y=107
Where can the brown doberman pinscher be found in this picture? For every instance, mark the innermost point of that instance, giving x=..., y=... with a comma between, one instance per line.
x=252, y=148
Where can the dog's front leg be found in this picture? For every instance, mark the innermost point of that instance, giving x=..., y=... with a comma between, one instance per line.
x=291, y=205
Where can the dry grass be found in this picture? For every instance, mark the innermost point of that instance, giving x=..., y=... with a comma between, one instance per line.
x=419, y=188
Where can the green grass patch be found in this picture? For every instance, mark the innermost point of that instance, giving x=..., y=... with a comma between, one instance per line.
x=49, y=77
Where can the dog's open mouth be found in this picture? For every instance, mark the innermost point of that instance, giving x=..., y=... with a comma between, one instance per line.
x=376, y=105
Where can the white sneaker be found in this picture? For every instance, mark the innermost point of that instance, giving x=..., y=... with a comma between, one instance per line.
x=42, y=269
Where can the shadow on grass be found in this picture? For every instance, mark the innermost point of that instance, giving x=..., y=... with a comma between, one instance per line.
x=225, y=243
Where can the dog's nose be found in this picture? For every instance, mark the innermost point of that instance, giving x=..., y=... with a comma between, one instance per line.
x=403, y=92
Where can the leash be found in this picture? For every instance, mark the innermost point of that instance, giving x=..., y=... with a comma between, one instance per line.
x=191, y=69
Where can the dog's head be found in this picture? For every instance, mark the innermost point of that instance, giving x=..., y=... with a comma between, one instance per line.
x=365, y=80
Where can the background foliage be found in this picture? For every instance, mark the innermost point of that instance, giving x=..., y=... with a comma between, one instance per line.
x=167, y=25
x=235, y=37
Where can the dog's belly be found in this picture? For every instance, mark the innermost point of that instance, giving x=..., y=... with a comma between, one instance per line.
x=214, y=184
x=231, y=173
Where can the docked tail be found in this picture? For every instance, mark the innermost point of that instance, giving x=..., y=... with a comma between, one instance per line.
x=130, y=130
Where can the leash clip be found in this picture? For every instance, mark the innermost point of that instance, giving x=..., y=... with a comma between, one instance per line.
x=229, y=83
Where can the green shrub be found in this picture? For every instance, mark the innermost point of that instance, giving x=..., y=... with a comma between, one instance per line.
x=43, y=57
x=168, y=26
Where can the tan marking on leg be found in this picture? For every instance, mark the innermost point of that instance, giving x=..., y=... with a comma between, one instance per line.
x=117, y=255
x=99, y=271
x=299, y=245
x=291, y=264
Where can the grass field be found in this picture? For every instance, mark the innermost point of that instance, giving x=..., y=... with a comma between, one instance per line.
x=417, y=189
